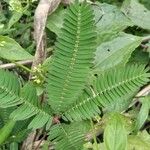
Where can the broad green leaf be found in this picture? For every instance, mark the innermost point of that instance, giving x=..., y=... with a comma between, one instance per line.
x=55, y=21
x=139, y=15
x=11, y=50
x=115, y=136
x=115, y=52
x=109, y=21
x=143, y=114
x=14, y=18
x=139, y=142
x=139, y=57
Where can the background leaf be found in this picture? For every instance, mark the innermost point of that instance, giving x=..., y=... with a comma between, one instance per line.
x=11, y=50
x=117, y=51
x=143, y=114
x=109, y=21
x=139, y=142
x=137, y=13
x=55, y=21
x=115, y=136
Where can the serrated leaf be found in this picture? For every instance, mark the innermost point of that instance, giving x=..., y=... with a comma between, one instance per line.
x=115, y=136
x=115, y=52
x=11, y=50
x=137, y=13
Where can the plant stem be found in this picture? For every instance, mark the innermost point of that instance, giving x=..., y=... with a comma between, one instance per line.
x=146, y=39
x=6, y=130
x=94, y=136
x=13, y=65
x=22, y=66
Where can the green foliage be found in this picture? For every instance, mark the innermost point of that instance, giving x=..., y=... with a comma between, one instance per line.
x=94, y=74
x=11, y=50
x=123, y=80
x=11, y=95
x=115, y=52
x=107, y=23
x=115, y=135
x=55, y=21
x=69, y=136
x=143, y=114
x=31, y=107
x=73, y=57
x=6, y=131
x=139, y=142
x=9, y=89
x=140, y=17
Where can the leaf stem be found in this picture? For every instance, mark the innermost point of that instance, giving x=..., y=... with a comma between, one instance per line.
x=23, y=67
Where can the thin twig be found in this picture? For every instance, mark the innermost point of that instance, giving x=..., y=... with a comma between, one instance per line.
x=41, y=140
x=13, y=65
x=44, y=8
x=146, y=39
x=144, y=46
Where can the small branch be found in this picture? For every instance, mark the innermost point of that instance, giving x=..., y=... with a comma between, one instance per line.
x=44, y=8
x=145, y=91
x=146, y=39
x=98, y=129
x=144, y=46
x=13, y=65
x=41, y=140
x=28, y=143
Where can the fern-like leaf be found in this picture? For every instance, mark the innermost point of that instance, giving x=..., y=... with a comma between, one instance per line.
x=69, y=137
x=31, y=107
x=9, y=89
x=108, y=89
x=72, y=58
x=28, y=100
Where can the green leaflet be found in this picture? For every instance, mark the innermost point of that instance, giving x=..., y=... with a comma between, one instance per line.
x=10, y=96
x=31, y=107
x=110, y=88
x=9, y=89
x=69, y=137
x=72, y=58
x=55, y=21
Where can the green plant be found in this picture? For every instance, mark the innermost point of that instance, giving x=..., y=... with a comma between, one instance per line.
x=81, y=96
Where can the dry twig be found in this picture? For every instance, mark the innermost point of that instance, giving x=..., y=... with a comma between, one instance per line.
x=12, y=65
